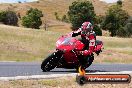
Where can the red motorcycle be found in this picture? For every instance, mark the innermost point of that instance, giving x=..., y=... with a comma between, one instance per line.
x=66, y=55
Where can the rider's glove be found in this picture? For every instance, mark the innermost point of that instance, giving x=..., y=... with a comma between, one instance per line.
x=73, y=34
x=86, y=52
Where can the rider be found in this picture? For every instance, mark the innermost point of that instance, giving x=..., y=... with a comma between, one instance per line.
x=88, y=38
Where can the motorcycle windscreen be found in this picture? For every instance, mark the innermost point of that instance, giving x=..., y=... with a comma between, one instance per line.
x=69, y=43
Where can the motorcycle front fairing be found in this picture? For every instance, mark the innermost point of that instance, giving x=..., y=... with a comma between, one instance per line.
x=67, y=44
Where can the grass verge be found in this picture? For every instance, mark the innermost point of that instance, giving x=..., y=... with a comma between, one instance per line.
x=22, y=44
x=62, y=82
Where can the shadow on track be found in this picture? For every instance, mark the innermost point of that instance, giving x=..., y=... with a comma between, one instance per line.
x=74, y=71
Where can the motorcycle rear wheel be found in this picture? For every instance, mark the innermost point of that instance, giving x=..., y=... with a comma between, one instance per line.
x=89, y=60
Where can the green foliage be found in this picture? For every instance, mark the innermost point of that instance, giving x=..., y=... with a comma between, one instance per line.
x=35, y=12
x=121, y=32
x=65, y=19
x=56, y=16
x=119, y=2
x=11, y=18
x=97, y=30
x=8, y=18
x=99, y=19
x=79, y=12
x=2, y=16
x=126, y=31
x=115, y=19
x=32, y=18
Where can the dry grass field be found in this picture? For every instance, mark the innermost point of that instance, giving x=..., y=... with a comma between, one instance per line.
x=23, y=44
x=116, y=50
x=49, y=7
x=26, y=45
x=62, y=82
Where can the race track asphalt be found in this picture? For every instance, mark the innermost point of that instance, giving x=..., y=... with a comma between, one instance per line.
x=11, y=69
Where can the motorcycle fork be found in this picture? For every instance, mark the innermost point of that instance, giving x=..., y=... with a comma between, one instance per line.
x=61, y=62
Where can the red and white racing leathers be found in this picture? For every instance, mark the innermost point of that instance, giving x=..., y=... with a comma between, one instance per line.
x=90, y=36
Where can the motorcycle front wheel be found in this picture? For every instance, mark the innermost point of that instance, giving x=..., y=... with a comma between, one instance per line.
x=50, y=62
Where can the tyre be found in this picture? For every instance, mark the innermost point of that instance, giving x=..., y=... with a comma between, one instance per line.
x=89, y=60
x=50, y=62
x=85, y=62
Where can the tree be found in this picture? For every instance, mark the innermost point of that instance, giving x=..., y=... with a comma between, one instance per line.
x=11, y=18
x=32, y=18
x=79, y=12
x=56, y=16
x=97, y=30
x=65, y=19
x=126, y=31
x=99, y=19
x=8, y=17
x=115, y=19
x=119, y=2
x=2, y=16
